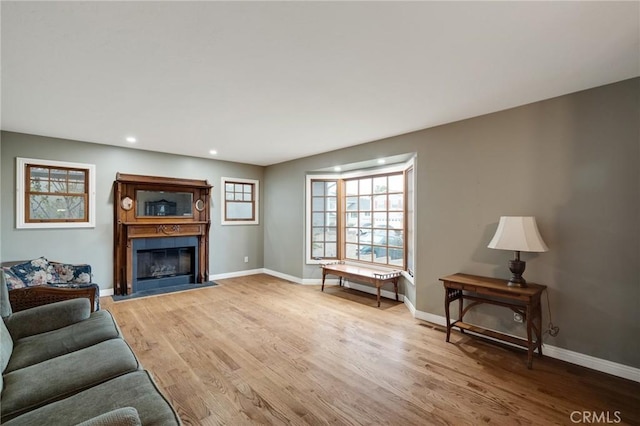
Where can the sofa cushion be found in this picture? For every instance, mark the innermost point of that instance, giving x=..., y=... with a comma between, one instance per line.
x=100, y=326
x=42, y=319
x=35, y=272
x=12, y=279
x=135, y=390
x=125, y=416
x=39, y=384
x=6, y=346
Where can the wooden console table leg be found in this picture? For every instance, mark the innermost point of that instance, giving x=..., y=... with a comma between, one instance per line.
x=447, y=301
x=529, y=340
x=323, y=275
x=378, y=285
x=461, y=309
x=538, y=309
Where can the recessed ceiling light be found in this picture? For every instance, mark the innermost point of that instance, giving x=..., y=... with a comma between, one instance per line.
x=381, y=161
x=213, y=152
x=131, y=139
x=337, y=168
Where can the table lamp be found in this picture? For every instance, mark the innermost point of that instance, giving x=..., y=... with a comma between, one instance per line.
x=518, y=233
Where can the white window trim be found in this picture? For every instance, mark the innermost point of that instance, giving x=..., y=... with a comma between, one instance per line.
x=256, y=183
x=408, y=165
x=20, y=192
x=309, y=260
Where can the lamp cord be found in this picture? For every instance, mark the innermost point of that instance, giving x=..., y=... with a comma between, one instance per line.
x=552, y=330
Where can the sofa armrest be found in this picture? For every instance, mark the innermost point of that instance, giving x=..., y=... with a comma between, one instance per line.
x=47, y=317
x=125, y=416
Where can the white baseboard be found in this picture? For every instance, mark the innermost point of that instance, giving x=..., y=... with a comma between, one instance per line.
x=236, y=274
x=106, y=292
x=286, y=277
x=410, y=306
x=598, y=364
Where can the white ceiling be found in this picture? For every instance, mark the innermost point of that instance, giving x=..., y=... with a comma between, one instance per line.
x=266, y=82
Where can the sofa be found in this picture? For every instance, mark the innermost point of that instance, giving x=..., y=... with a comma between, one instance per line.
x=39, y=281
x=65, y=365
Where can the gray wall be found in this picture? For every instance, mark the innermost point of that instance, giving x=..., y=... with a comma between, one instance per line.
x=571, y=161
x=228, y=244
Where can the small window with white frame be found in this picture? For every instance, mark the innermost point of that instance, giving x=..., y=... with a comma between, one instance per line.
x=240, y=201
x=54, y=194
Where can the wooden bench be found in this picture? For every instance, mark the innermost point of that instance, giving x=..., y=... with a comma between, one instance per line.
x=362, y=274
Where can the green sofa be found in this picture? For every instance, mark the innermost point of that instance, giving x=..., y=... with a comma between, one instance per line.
x=64, y=365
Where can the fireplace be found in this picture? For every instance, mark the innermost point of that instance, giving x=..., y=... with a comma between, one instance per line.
x=161, y=232
x=164, y=262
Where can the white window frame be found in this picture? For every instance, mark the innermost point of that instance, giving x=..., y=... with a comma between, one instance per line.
x=21, y=223
x=401, y=167
x=411, y=223
x=256, y=201
x=308, y=226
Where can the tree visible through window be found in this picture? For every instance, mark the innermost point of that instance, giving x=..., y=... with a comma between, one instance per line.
x=56, y=194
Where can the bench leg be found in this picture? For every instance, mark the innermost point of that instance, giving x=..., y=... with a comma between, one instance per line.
x=395, y=287
x=323, y=275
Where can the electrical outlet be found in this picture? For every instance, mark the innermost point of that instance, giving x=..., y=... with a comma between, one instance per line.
x=517, y=317
x=246, y=260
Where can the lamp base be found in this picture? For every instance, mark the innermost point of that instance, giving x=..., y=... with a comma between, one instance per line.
x=517, y=266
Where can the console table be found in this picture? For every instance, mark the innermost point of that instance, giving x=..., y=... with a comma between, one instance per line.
x=362, y=274
x=494, y=291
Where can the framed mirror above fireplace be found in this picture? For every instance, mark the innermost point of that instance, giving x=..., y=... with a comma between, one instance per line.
x=161, y=232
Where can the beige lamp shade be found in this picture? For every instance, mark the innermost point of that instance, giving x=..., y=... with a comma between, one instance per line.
x=518, y=233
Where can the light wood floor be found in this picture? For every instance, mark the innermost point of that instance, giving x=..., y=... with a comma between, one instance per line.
x=260, y=350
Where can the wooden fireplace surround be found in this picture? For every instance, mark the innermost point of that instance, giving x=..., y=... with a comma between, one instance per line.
x=128, y=224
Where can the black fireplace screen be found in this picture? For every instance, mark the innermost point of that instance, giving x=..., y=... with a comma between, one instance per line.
x=162, y=263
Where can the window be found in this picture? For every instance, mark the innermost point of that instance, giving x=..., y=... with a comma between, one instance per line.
x=324, y=219
x=54, y=194
x=361, y=217
x=240, y=201
x=374, y=219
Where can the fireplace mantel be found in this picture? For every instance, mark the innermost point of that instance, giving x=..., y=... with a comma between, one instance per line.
x=154, y=207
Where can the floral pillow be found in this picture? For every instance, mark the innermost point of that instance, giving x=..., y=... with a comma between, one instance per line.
x=35, y=272
x=11, y=279
x=68, y=273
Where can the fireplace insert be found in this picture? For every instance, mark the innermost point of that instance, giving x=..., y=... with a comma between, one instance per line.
x=164, y=262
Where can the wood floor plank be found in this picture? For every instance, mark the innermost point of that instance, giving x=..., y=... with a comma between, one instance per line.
x=261, y=350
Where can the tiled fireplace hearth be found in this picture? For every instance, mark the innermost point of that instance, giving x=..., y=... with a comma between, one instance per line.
x=161, y=235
